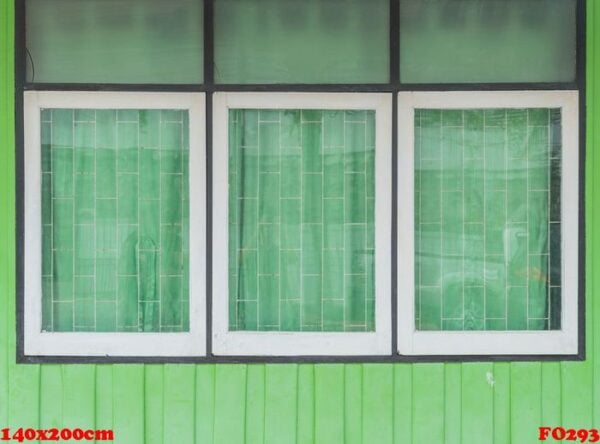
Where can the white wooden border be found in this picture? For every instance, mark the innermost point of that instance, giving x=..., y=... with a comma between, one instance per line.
x=241, y=343
x=413, y=342
x=37, y=343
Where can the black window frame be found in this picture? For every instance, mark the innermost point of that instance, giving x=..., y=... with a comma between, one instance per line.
x=393, y=86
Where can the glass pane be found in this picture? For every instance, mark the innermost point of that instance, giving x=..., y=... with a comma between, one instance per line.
x=114, y=41
x=301, y=220
x=311, y=41
x=487, y=41
x=487, y=219
x=115, y=220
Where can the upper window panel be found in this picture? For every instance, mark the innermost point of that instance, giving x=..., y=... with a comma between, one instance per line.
x=493, y=41
x=287, y=41
x=110, y=41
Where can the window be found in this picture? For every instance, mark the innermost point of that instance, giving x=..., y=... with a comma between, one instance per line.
x=492, y=41
x=275, y=180
x=488, y=225
x=110, y=41
x=307, y=179
x=112, y=185
x=274, y=41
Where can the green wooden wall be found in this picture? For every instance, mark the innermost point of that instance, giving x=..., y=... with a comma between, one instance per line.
x=422, y=403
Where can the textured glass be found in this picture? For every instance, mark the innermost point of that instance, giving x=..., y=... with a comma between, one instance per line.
x=487, y=219
x=487, y=41
x=301, y=220
x=308, y=41
x=115, y=220
x=115, y=41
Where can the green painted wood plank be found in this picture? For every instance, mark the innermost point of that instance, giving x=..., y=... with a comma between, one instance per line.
x=353, y=402
x=501, y=403
x=306, y=404
x=104, y=397
x=79, y=396
x=428, y=403
x=329, y=403
x=255, y=404
x=551, y=396
x=128, y=408
x=526, y=398
x=6, y=201
x=477, y=408
x=19, y=386
x=154, y=403
x=403, y=397
x=23, y=394
x=452, y=399
x=280, y=404
x=179, y=403
x=230, y=404
x=51, y=396
x=576, y=394
x=205, y=403
x=378, y=402
x=592, y=195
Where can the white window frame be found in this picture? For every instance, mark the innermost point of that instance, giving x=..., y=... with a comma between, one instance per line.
x=559, y=342
x=38, y=343
x=246, y=343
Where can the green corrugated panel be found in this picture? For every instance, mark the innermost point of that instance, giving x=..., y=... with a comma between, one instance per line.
x=592, y=204
x=329, y=403
x=154, y=403
x=452, y=403
x=255, y=404
x=7, y=214
x=525, y=400
x=281, y=396
x=179, y=413
x=301, y=207
x=476, y=413
x=428, y=403
x=128, y=403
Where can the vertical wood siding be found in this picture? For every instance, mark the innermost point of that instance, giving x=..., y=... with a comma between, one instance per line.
x=423, y=403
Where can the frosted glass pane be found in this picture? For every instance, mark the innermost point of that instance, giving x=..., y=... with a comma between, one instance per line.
x=115, y=220
x=487, y=41
x=309, y=41
x=301, y=220
x=114, y=41
x=487, y=219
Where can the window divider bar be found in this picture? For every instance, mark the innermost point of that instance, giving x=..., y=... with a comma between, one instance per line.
x=394, y=195
x=209, y=47
x=209, y=222
x=281, y=87
x=19, y=73
x=394, y=42
x=581, y=79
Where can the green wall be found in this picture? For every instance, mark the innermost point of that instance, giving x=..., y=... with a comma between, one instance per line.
x=421, y=403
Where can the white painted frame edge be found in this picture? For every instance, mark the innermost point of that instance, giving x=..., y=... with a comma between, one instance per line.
x=238, y=343
x=565, y=341
x=38, y=343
